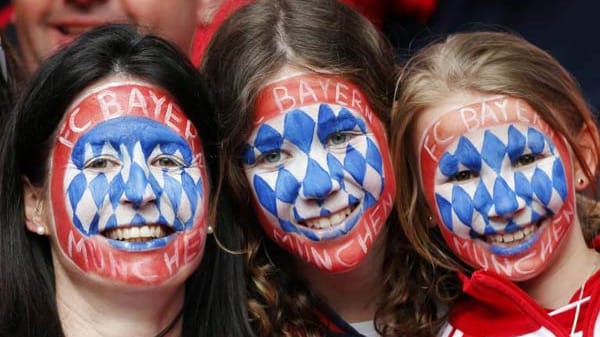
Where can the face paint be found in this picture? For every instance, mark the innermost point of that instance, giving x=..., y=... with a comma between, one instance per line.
x=500, y=180
x=128, y=185
x=319, y=166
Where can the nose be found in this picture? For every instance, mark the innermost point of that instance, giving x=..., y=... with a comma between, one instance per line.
x=504, y=199
x=137, y=189
x=319, y=182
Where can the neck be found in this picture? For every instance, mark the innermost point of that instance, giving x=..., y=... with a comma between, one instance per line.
x=354, y=294
x=573, y=265
x=94, y=310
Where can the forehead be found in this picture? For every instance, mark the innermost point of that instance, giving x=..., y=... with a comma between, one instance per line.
x=115, y=97
x=308, y=92
x=441, y=128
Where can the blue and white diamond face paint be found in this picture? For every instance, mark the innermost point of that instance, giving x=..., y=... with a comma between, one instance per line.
x=133, y=171
x=318, y=173
x=502, y=188
x=128, y=185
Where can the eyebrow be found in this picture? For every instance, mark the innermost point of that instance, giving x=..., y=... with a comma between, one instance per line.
x=267, y=139
x=328, y=123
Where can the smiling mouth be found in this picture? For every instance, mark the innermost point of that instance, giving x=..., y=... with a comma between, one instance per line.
x=514, y=238
x=331, y=220
x=138, y=233
x=74, y=30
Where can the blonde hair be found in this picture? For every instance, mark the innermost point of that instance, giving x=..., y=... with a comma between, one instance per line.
x=487, y=63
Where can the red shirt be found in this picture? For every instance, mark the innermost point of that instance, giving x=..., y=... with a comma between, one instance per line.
x=499, y=308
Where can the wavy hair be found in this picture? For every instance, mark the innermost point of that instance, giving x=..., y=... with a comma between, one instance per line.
x=326, y=37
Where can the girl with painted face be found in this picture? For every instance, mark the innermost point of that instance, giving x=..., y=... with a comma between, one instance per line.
x=106, y=198
x=493, y=141
x=303, y=89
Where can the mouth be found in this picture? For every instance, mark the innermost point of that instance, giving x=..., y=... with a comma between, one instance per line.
x=332, y=220
x=143, y=233
x=74, y=30
x=329, y=221
x=514, y=238
x=515, y=243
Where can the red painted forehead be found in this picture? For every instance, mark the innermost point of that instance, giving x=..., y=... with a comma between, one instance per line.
x=309, y=89
x=447, y=128
x=119, y=99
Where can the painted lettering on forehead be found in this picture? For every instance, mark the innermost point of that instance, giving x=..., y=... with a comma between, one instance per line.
x=309, y=89
x=125, y=99
x=453, y=124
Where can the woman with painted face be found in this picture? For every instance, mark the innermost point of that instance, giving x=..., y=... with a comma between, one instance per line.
x=303, y=90
x=106, y=198
x=492, y=143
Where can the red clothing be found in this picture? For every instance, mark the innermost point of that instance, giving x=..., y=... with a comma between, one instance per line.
x=6, y=12
x=499, y=308
x=374, y=10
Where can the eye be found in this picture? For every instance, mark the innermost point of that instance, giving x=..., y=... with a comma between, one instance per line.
x=338, y=138
x=464, y=175
x=101, y=163
x=272, y=159
x=526, y=159
x=167, y=162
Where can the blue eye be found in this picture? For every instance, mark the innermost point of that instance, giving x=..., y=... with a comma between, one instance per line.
x=272, y=157
x=338, y=138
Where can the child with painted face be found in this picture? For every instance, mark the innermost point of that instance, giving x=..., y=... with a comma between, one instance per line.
x=303, y=89
x=106, y=198
x=493, y=141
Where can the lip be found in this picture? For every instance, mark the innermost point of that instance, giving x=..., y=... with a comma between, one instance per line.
x=145, y=236
x=527, y=237
x=343, y=227
x=67, y=31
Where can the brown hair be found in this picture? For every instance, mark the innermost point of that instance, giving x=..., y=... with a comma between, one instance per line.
x=322, y=36
x=487, y=63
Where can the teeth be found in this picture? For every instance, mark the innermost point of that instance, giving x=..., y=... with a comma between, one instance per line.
x=330, y=221
x=512, y=237
x=136, y=234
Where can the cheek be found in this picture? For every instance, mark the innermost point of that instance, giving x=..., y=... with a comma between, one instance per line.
x=264, y=193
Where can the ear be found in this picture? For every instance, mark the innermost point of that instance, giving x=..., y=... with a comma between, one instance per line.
x=33, y=201
x=588, y=142
x=206, y=11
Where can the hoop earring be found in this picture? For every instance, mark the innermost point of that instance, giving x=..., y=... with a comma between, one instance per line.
x=222, y=246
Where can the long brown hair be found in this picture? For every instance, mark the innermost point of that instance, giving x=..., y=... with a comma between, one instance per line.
x=322, y=36
x=486, y=63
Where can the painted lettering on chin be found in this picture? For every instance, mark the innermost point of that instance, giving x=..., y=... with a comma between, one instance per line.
x=119, y=265
x=511, y=267
x=351, y=252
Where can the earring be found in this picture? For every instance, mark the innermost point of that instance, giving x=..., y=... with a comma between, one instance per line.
x=580, y=181
x=41, y=230
x=209, y=229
